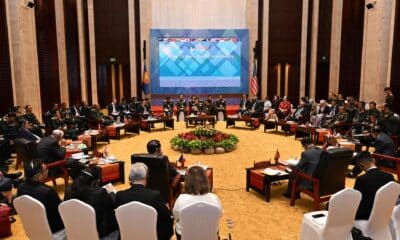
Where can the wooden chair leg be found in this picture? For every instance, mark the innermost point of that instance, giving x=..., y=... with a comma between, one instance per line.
x=293, y=193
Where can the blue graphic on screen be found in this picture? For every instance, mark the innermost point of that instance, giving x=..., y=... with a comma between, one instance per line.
x=199, y=61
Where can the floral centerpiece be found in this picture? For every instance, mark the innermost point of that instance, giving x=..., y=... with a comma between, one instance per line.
x=207, y=140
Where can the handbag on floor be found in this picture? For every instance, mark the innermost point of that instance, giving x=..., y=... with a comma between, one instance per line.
x=5, y=224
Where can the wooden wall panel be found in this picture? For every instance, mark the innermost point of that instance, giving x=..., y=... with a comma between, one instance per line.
x=323, y=49
x=260, y=45
x=72, y=49
x=112, y=35
x=285, y=19
x=46, y=35
x=104, y=84
x=395, y=71
x=309, y=46
x=351, y=47
x=138, y=56
x=87, y=51
x=6, y=96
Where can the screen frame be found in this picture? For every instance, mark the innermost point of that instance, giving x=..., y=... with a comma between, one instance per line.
x=155, y=34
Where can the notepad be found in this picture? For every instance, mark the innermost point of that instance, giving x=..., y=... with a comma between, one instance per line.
x=273, y=172
x=289, y=162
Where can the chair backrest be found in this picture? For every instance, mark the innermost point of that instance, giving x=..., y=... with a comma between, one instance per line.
x=144, y=218
x=26, y=149
x=200, y=221
x=33, y=217
x=261, y=164
x=382, y=209
x=79, y=220
x=158, y=172
x=331, y=170
x=343, y=206
x=395, y=223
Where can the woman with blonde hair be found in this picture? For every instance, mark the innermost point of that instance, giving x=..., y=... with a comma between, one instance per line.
x=196, y=190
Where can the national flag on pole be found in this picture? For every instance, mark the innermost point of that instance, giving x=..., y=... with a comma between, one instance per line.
x=182, y=160
x=146, y=80
x=253, y=80
x=277, y=156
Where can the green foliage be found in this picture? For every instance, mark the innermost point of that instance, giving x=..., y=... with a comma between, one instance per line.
x=204, y=138
x=195, y=144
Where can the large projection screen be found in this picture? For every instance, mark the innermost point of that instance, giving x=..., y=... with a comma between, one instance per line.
x=192, y=61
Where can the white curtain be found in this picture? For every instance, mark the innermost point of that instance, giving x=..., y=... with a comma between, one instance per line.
x=209, y=14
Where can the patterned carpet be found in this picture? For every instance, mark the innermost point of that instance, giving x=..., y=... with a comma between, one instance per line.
x=252, y=217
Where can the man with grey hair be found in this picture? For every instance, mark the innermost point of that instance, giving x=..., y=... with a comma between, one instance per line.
x=138, y=192
x=51, y=149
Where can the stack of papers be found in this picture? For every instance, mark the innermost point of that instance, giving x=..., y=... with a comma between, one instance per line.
x=289, y=162
x=79, y=155
x=273, y=172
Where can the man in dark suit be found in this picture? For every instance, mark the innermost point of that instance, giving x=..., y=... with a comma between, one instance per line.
x=50, y=150
x=154, y=147
x=85, y=188
x=24, y=132
x=368, y=184
x=383, y=144
x=36, y=174
x=139, y=192
x=307, y=164
x=144, y=108
x=244, y=105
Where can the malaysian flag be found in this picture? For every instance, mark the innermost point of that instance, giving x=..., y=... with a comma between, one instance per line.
x=253, y=80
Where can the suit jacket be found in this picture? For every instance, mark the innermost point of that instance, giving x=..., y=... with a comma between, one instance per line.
x=384, y=145
x=307, y=164
x=110, y=108
x=25, y=133
x=368, y=184
x=246, y=104
x=103, y=205
x=152, y=198
x=46, y=195
x=49, y=150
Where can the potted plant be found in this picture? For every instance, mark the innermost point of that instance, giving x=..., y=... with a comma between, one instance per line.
x=184, y=144
x=176, y=143
x=208, y=146
x=219, y=147
x=195, y=146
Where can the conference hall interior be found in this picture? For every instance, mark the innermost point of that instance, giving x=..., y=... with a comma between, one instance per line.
x=199, y=119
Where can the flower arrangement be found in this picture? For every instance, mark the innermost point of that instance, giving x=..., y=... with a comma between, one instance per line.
x=204, y=140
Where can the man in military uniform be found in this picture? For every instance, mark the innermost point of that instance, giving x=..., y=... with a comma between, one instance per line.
x=180, y=106
x=32, y=119
x=220, y=104
x=360, y=118
x=389, y=99
x=98, y=115
x=168, y=107
x=373, y=110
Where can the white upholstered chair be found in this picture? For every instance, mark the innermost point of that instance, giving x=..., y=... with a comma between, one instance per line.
x=377, y=226
x=80, y=221
x=335, y=223
x=34, y=219
x=200, y=221
x=395, y=223
x=144, y=218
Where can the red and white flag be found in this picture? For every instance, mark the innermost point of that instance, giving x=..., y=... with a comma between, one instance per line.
x=254, y=81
